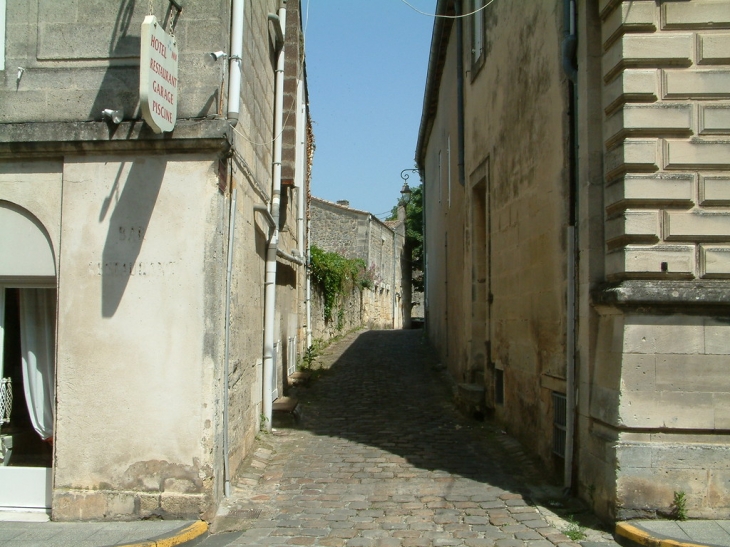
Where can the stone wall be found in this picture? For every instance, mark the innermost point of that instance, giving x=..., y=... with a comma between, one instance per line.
x=357, y=234
x=495, y=235
x=81, y=57
x=652, y=415
x=666, y=86
x=644, y=187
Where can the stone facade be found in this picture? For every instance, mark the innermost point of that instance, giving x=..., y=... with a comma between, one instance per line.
x=660, y=386
x=609, y=190
x=142, y=228
x=358, y=234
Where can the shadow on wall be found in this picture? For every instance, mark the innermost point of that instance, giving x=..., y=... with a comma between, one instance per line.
x=127, y=227
x=119, y=89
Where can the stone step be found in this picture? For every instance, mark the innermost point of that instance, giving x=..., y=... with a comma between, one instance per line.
x=285, y=412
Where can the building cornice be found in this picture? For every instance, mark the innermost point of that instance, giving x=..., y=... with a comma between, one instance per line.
x=664, y=296
x=48, y=139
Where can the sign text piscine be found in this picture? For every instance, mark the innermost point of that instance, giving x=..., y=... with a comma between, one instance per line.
x=158, y=76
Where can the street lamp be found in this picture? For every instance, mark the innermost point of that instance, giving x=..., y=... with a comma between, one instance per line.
x=405, y=192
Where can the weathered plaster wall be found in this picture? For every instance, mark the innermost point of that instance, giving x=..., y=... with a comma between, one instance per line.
x=444, y=242
x=136, y=234
x=502, y=232
x=521, y=130
x=45, y=179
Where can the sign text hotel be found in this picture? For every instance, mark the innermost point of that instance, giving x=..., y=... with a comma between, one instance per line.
x=158, y=76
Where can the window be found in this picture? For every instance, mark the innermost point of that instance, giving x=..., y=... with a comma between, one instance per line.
x=477, y=35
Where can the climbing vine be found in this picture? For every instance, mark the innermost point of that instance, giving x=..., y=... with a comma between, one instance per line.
x=336, y=275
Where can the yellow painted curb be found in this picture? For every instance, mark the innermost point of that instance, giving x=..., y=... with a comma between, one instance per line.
x=186, y=534
x=644, y=538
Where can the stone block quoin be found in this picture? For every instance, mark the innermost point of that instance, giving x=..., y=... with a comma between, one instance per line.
x=666, y=131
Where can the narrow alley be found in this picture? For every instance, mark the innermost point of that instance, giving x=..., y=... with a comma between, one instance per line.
x=381, y=457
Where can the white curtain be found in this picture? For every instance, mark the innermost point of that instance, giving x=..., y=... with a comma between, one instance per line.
x=37, y=344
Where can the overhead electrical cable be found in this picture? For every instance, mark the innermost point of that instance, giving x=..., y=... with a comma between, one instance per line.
x=485, y=6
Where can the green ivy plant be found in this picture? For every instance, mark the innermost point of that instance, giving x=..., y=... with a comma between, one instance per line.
x=336, y=275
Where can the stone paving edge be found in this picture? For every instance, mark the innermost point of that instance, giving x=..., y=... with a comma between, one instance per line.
x=631, y=536
x=178, y=537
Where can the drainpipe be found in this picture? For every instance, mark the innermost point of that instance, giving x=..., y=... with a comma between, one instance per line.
x=308, y=289
x=234, y=62
x=229, y=268
x=290, y=257
x=570, y=42
x=300, y=182
x=308, y=292
x=270, y=279
x=424, y=250
x=299, y=175
x=460, y=88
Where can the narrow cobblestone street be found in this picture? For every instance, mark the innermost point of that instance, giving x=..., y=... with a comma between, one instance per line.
x=381, y=457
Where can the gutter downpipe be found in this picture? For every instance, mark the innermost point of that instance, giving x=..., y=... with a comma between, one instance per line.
x=234, y=62
x=270, y=279
x=300, y=183
x=460, y=88
x=234, y=102
x=290, y=257
x=229, y=269
x=308, y=293
x=299, y=177
x=569, y=46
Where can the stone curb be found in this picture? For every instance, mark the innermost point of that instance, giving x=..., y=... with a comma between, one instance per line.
x=631, y=536
x=177, y=537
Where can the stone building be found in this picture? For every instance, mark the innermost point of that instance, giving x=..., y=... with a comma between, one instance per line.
x=338, y=228
x=577, y=190
x=133, y=263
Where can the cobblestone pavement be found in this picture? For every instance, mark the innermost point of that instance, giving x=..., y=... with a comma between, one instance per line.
x=382, y=458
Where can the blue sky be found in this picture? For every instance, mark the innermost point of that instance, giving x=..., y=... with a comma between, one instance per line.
x=366, y=72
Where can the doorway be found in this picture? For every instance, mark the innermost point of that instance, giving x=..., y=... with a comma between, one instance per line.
x=27, y=369
x=27, y=360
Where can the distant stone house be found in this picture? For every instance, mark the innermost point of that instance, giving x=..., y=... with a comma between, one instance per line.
x=575, y=161
x=336, y=227
x=133, y=263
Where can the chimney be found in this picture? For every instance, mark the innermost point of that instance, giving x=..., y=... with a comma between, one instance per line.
x=401, y=213
x=343, y=202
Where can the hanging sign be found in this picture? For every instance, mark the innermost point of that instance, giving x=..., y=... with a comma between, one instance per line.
x=158, y=76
